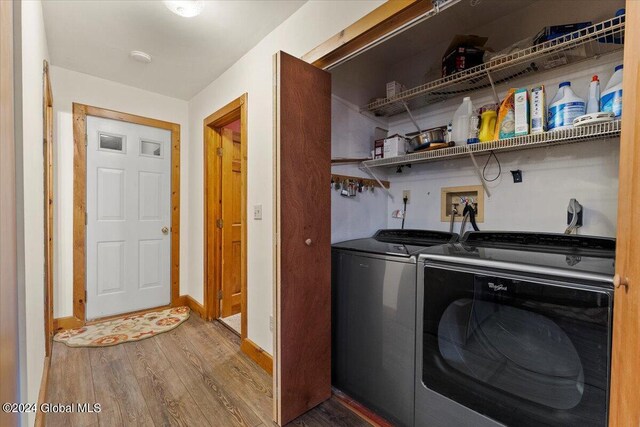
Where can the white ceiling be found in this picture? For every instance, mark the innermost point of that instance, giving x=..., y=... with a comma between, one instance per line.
x=95, y=37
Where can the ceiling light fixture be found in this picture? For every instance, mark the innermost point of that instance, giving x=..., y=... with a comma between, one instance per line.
x=140, y=56
x=185, y=8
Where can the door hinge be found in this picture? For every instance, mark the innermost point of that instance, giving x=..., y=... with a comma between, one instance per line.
x=220, y=151
x=86, y=220
x=85, y=297
x=219, y=223
x=220, y=294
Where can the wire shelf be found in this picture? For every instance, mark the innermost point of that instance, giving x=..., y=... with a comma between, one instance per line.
x=590, y=42
x=566, y=136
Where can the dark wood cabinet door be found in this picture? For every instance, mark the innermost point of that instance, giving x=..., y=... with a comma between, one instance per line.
x=303, y=225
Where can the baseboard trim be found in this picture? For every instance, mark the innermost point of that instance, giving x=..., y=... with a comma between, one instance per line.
x=41, y=420
x=70, y=322
x=359, y=409
x=194, y=305
x=258, y=355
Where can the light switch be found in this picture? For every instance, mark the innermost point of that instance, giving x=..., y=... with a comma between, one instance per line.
x=257, y=211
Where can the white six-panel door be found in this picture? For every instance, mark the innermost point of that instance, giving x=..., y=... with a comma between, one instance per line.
x=128, y=217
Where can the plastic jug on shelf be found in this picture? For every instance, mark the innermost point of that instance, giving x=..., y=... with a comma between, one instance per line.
x=593, y=103
x=487, y=125
x=460, y=121
x=611, y=98
x=565, y=107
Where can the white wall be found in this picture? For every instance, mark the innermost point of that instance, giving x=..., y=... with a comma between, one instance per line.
x=351, y=136
x=309, y=26
x=587, y=171
x=69, y=87
x=34, y=51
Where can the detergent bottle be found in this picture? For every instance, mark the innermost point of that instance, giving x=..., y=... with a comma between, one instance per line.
x=611, y=99
x=487, y=125
x=460, y=131
x=565, y=107
x=593, y=104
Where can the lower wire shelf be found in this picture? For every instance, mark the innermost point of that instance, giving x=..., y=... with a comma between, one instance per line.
x=546, y=139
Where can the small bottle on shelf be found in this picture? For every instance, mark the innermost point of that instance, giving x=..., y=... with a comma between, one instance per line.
x=593, y=103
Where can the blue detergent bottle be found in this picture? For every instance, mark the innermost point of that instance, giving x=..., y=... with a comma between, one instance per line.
x=565, y=107
x=611, y=98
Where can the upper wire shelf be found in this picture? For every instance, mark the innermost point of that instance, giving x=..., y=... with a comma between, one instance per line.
x=598, y=39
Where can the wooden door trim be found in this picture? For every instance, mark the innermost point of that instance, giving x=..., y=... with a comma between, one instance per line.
x=9, y=337
x=236, y=109
x=625, y=364
x=80, y=113
x=371, y=28
x=47, y=128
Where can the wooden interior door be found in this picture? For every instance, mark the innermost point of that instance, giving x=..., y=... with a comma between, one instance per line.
x=232, y=222
x=303, y=246
x=624, y=409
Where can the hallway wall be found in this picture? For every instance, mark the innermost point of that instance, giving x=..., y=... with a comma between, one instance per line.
x=309, y=26
x=30, y=195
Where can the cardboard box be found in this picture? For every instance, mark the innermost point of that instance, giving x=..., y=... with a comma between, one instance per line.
x=556, y=31
x=538, y=110
x=464, y=52
x=521, y=112
x=378, y=149
x=394, y=146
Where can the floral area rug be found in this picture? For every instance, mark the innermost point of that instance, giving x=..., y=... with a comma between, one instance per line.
x=130, y=328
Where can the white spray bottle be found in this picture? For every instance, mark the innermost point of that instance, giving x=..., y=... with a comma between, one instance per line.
x=593, y=103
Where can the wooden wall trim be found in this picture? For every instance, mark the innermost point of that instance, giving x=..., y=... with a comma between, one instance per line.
x=377, y=24
x=359, y=409
x=9, y=338
x=79, y=208
x=625, y=370
x=257, y=354
x=195, y=306
x=80, y=113
x=236, y=109
x=69, y=322
x=41, y=416
x=47, y=128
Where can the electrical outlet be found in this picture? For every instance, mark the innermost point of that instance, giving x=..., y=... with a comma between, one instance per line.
x=406, y=194
x=257, y=212
x=271, y=323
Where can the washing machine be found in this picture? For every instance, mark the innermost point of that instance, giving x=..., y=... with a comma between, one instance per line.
x=374, y=314
x=514, y=329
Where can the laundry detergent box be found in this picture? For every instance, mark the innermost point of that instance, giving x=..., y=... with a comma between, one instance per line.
x=538, y=110
x=521, y=112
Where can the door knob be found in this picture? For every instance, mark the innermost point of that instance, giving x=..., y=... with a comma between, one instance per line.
x=308, y=242
x=619, y=281
x=165, y=230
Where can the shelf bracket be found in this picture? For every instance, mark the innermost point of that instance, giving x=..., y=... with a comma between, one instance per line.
x=415, y=123
x=493, y=87
x=373, y=175
x=475, y=164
